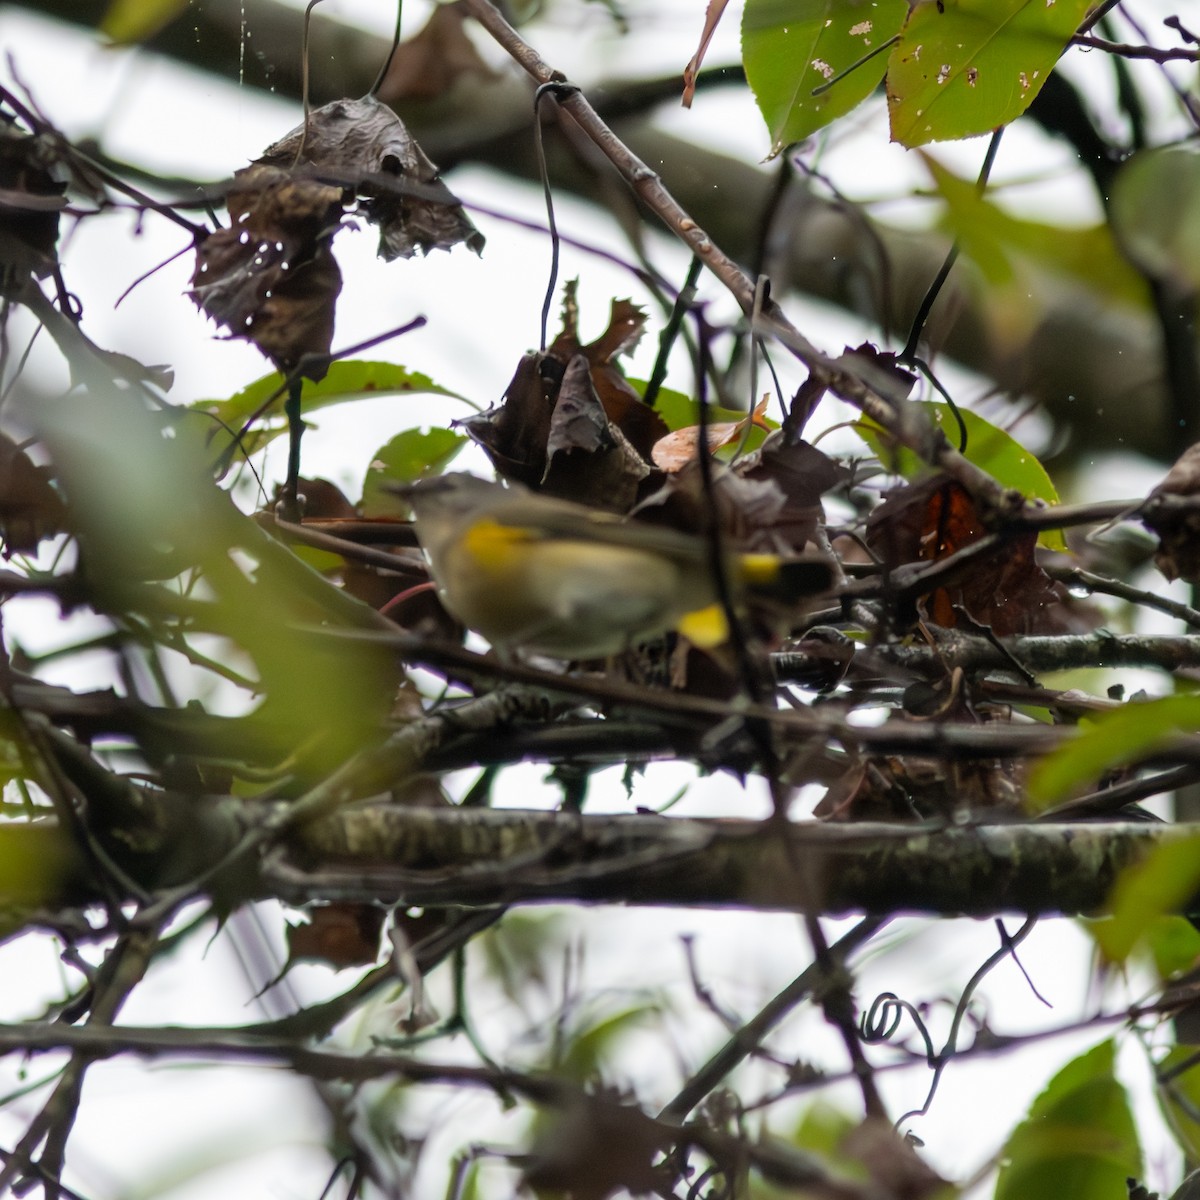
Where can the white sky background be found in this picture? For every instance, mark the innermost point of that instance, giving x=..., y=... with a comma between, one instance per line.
x=137, y=1122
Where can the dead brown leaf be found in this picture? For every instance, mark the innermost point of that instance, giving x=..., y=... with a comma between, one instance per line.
x=712, y=18
x=30, y=201
x=1007, y=591
x=892, y=1163
x=339, y=935
x=515, y=432
x=595, y=1147
x=30, y=507
x=626, y=325
x=589, y=460
x=428, y=64
x=1178, y=555
x=365, y=147
x=270, y=276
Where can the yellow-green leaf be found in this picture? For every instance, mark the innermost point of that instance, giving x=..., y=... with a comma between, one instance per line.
x=410, y=455
x=1155, y=212
x=1126, y=735
x=126, y=21
x=1179, y=1096
x=1004, y=247
x=346, y=380
x=966, y=67
x=1079, y=1138
x=1163, y=882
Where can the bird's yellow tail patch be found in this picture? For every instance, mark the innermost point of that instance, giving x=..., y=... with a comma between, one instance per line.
x=706, y=628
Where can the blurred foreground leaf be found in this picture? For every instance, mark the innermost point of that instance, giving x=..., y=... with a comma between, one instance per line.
x=1124, y=735
x=1078, y=1139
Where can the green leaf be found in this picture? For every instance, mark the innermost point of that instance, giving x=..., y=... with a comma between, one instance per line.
x=345, y=381
x=588, y=1049
x=965, y=67
x=1125, y=735
x=988, y=447
x=823, y=1128
x=681, y=411
x=126, y=21
x=1005, y=247
x=1078, y=1140
x=1173, y=943
x=1155, y=211
x=1163, y=882
x=410, y=455
x=36, y=861
x=791, y=47
x=1179, y=1097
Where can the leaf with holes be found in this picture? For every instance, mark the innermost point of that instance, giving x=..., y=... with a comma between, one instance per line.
x=966, y=67
x=792, y=47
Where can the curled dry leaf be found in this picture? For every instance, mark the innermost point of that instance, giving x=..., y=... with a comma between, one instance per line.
x=678, y=448
x=589, y=460
x=515, y=432
x=30, y=507
x=270, y=276
x=626, y=324
x=30, y=200
x=1178, y=555
x=803, y=474
x=572, y=405
x=363, y=146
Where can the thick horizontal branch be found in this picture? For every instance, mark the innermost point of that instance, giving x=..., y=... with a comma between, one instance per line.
x=471, y=857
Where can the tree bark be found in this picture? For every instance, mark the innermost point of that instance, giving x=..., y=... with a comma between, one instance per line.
x=479, y=857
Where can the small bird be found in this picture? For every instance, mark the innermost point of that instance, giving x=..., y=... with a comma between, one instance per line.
x=535, y=573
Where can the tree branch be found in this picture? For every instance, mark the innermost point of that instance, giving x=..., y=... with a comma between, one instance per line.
x=469, y=857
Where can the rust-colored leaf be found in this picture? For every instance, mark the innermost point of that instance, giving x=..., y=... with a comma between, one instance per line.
x=428, y=64
x=626, y=324
x=363, y=146
x=341, y=935
x=1007, y=591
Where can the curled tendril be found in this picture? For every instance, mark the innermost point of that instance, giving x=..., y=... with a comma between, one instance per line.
x=880, y=1022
